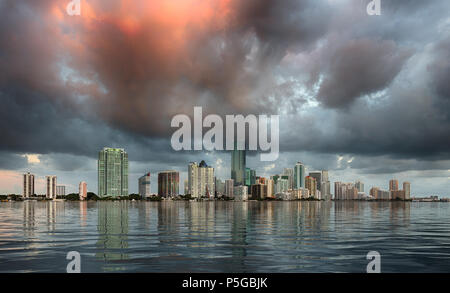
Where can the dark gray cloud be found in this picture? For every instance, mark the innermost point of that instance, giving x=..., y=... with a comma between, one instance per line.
x=358, y=68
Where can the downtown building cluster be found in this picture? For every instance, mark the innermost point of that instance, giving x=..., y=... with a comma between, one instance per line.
x=292, y=184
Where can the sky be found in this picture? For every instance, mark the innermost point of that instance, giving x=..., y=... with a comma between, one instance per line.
x=365, y=97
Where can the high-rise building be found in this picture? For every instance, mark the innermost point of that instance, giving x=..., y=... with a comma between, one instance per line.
x=144, y=186
x=250, y=177
x=311, y=185
x=229, y=188
x=393, y=185
x=112, y=172
x=299, y=175
x=28, y=185
x=238, y=166
x=168, y=183
x=325, y=176
x=259, y=191
x=60, y=190
x=270, y=188
x=318, y=176
x=82, y=190
x=51, y=187
x=201, y=180
x=220, y=187
x=290, y=173
x=325, y=189
x=186, y=186
x=282, y=185
x=359, y=185
x=407, y=189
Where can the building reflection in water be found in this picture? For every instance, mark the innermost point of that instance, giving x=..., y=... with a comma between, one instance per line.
x=54, y=209
x=29, y=218
x=200, y=220
x=83, y=213
x=113, y=230
x=400, y=213
x=239, y=226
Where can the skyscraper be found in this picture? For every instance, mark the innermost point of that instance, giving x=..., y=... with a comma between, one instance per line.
x=186, y=186
x=28, y=185
x=311, y=185
x=229, y=188
x=168, y=183
x=407, y=189
x=318, y=176
x=82, y=190
x=201, y=180
x=238, y=166
x=393, y=185
x=282, y=185
x=290, y=173
x=51, y=187
x=144, y=186
x=360, y=186
x=299, y=175
x=112, y=172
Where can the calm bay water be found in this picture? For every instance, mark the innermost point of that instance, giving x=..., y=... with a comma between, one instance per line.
x=224, y=236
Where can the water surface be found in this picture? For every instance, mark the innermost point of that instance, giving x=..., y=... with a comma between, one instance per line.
x=224, y=236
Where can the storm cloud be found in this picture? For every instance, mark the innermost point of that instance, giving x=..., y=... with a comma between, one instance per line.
x=344, y=83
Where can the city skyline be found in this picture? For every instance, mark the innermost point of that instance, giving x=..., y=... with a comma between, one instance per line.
x=202, y=182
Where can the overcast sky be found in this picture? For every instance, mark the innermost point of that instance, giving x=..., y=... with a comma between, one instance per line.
x=366, y=97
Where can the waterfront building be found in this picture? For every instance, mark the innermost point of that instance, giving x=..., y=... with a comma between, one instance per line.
x=259, y=191
x=50, y=191
x=186, y=186
x=220, y=187
x=398, y=195
x=318, y=176
x=281, y=185
x=250, y=177
x=60, y=190
x=289, y=172
x=201, y=180
x=168, y=183
x=393, y=185
x=299, y=175
x=238, y=170
x=311, y=185
x=144, y=186
x=82, y=190
x=407, y=189
x=240, y=193
x=112, y=172
x=379, y=194
x=28, y=185
x=359, y=185
x=270, y=188
x=229, y=188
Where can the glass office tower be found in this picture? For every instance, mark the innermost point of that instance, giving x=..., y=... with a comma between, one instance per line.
x=238, y=167
x=112, y=172
x=299, y=176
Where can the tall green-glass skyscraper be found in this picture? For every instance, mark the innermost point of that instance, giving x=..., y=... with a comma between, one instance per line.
x=299, y=176
x=238, y=166
x=112, y=172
